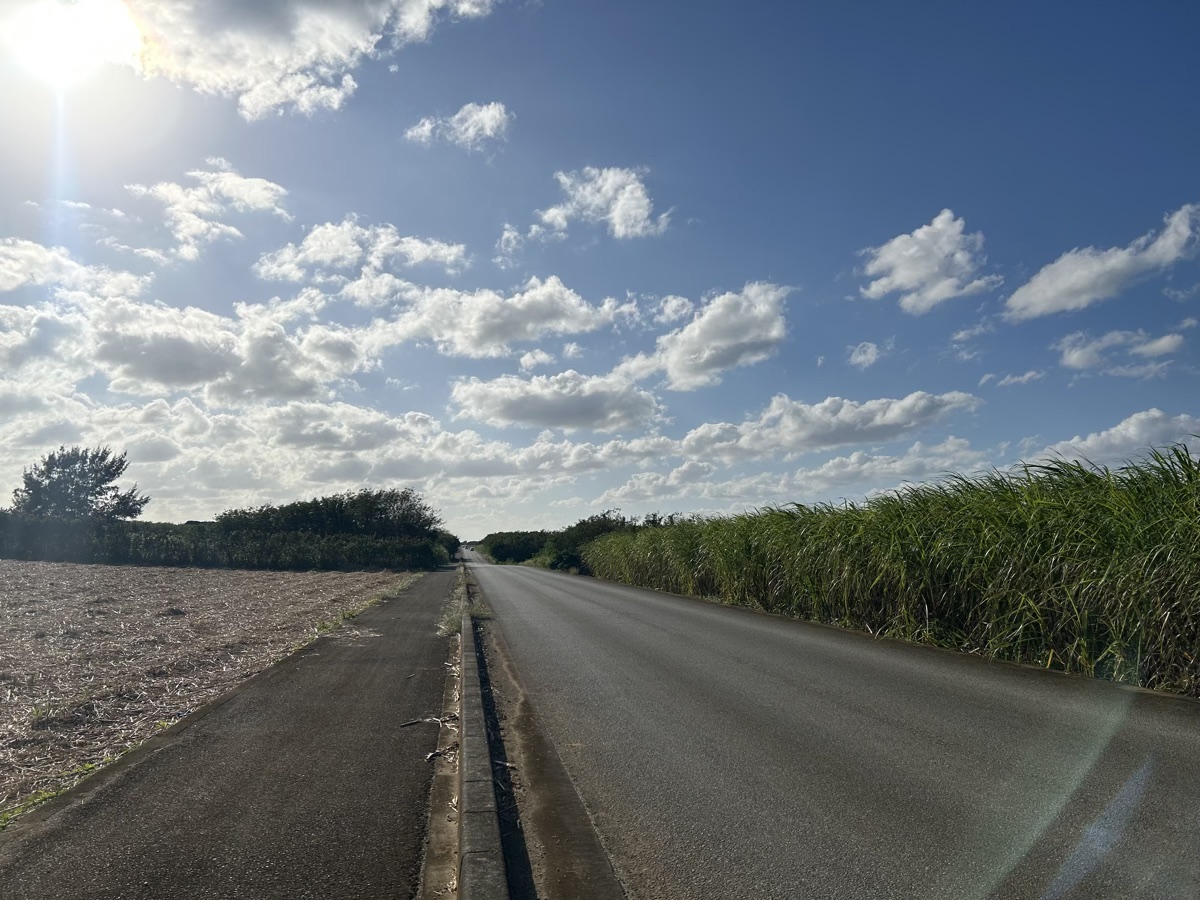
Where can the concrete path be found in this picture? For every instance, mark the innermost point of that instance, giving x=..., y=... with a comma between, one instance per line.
x=724, y=753
x=301, y=785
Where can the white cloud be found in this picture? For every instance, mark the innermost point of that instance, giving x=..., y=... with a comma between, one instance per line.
x=1130, y=438
x=1082, y=277
x=1079, y=351
x=192, y=212
x=329, y=250
x=485, y=323
x=1167, y=344
x=613, y=196
x=1143, y=371
x=508, y=245
x=860, y=471
x=689, y=479
x=672, y=309
x=864, y=355
x=1031, y=375
x=920, y=462
x=572, y=350
x=43, y=345
x=729, y=330
x=29, y=264
x=472, y=127
x=567, y=400
x=195, y=461
x=148, y=349
x=986, y=378
x=1182, y=295
x=933, y=264
x=791, y=427
x=277, y=55
x=535, y=358
x=969, y=334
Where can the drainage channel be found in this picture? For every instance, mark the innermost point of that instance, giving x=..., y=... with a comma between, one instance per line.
x=520, y=798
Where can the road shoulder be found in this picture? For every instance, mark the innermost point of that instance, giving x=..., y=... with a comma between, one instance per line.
x=300, y=782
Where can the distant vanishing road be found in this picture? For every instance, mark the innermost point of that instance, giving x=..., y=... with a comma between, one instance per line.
x=728, y=754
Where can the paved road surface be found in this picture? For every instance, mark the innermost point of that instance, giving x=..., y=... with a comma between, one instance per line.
x=727, y=754
x=300, y=786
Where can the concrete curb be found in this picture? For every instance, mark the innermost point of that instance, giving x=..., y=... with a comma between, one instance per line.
x=481, y=871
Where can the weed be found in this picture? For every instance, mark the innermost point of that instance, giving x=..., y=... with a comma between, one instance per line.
x=1066, y=565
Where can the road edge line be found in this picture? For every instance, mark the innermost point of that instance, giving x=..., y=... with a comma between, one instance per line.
x=482, y=874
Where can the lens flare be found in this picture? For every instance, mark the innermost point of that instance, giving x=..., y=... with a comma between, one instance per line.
x=64, y=43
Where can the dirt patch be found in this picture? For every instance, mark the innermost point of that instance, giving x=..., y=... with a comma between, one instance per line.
x=95, y=659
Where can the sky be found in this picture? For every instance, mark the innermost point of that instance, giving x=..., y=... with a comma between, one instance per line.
x=542, y=259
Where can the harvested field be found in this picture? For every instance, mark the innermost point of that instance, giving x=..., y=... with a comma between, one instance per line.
x=95, y=659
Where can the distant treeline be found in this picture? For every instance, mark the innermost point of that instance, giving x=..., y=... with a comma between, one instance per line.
x=390, y=529
x=563, y=549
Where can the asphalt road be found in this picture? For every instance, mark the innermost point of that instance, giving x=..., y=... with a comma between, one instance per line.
x=724, y=753
x=301, y=785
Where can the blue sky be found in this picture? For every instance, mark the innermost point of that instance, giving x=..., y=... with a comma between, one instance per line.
x=542, y=259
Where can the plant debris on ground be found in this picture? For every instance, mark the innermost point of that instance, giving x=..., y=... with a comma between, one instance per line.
x=96, y=659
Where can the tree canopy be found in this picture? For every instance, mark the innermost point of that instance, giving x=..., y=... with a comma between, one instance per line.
x=380, y=513
x=78, y=483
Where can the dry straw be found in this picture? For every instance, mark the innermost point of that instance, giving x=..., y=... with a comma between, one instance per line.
x=95, y=659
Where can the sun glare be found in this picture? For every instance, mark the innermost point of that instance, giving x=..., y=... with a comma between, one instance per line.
x=63, y=42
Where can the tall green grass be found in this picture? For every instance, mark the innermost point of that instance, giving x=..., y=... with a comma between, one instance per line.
x=1067, y=565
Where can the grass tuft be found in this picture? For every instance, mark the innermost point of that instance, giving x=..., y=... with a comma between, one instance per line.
x=1063, y=564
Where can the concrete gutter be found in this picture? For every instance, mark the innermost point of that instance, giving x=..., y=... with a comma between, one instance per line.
x=481, y=871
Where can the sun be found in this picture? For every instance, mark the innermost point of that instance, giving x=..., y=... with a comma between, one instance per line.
x=63, y=42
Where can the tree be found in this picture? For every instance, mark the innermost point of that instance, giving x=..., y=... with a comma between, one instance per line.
x=78, y=483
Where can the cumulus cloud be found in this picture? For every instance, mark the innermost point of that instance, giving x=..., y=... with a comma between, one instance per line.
x=672, y=309
x=473, y=127
x=933, y=264
x=1080, y=351
x=1128, y=439
x=840, y=476
x=485, y=323
x=568, y=400
x=791, y=427
x=330, y=250
x=1082, y=277
x=729, y=330
x=41, y=343
x=615, y=197
x=1031, y=375
x=29, y=264
x=508, y=245
x=148, y=349
x=281, y=55
x=864, y=355
x=920, y=462
x=535, y=358
x=193, y=212
x=195, y=461
x=688, y=480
